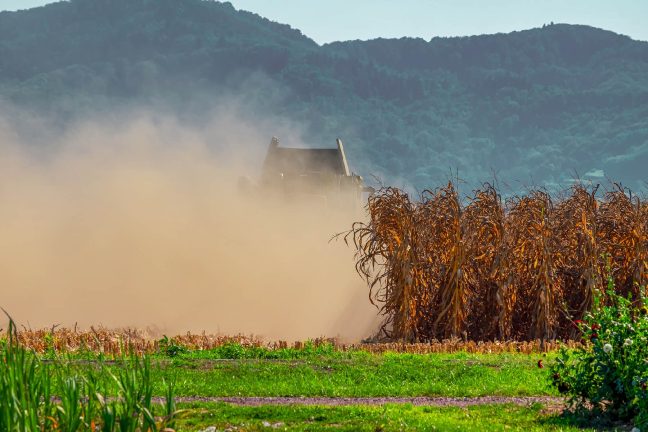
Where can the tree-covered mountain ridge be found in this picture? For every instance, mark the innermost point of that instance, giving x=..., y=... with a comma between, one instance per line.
x=534, y=106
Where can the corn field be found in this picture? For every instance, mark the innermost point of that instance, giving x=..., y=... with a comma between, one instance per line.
x=485, y=268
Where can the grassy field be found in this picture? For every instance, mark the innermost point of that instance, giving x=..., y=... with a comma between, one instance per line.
x=232, y=370
x=389, y=417
x=323, y=372
x=357, y=375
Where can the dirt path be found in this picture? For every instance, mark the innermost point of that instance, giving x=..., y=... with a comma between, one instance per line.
x=426, y=401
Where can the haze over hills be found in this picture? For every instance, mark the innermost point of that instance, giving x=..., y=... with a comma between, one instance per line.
x=533, y=106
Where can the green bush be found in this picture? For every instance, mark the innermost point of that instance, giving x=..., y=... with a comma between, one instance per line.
x=170, y=347
x=608, y=376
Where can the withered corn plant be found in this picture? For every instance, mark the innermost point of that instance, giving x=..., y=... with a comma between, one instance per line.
x=445, y=248
x=442, y=268
x=623, y=236
x=535, y=255
x=493, y=294
x=580, y=270
x=389, y=259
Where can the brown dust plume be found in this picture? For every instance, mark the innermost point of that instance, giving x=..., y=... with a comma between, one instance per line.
x=141, y=224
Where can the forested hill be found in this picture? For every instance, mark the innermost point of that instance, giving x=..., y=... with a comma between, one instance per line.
x=538, y=106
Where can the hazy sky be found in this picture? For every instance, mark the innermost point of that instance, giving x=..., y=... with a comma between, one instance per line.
x=329, y=20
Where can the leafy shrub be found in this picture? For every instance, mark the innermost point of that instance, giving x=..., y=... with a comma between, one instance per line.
x=608, y=376
x=170, y=347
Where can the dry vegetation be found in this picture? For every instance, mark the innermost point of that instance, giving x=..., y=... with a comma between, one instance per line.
x=120, y=342
x=489, y=269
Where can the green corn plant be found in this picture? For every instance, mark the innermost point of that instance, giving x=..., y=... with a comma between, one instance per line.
x=25, y=404
x=107, y=414
x=135, y=393
x=69, y=410
x=92, y=409
x=76, y=399
x=170, y=411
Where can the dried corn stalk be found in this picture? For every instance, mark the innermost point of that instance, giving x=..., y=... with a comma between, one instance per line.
x=442, y=268
x=623, y=236
x=388, y=259
x=447, y=251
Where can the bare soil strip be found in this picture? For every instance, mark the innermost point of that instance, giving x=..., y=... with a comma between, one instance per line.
x=342, y=401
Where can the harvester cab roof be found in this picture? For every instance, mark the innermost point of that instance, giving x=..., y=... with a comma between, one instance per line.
x=315, y=173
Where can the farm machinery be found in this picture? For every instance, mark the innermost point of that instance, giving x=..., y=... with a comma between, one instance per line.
x=310, y=174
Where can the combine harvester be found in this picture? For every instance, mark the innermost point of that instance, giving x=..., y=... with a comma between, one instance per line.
x=319, y=175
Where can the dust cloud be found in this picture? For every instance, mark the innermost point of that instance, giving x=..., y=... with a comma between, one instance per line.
x=139, y=223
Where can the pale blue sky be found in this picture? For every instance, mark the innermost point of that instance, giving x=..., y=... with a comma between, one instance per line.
x=329, y=20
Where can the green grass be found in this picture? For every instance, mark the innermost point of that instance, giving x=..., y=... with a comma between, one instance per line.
x=233, y=370
x=322, y=371
x=358, y=374
x=372, y=418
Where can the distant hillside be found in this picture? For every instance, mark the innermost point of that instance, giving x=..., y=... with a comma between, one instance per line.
x=537, y=105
